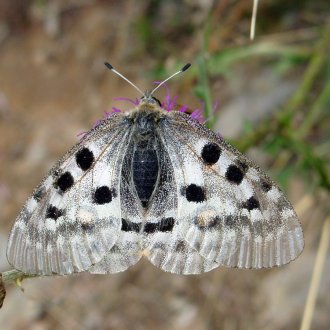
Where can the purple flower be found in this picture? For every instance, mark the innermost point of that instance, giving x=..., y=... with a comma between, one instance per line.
x=197, y=114
x=81, y=135
x=183, y=108
x=135, y=102
x=97, y=123
x=169, y=104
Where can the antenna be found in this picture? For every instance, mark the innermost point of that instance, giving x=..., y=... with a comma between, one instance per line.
x=110, y=67
x=184, y=68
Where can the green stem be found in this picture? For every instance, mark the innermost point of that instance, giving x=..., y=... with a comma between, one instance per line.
x=312, y=115
x=276, y=123
x=13, y=276
x=205, y=88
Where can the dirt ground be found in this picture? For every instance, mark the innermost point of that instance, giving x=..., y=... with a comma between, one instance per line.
x=54, y=85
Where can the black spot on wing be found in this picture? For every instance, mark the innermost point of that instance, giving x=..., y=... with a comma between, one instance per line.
x=251, y=204
x=164, y=225
x=53, y=212
x=194, y=193
x=65, y=181
x=103, y=195
x=211, y=153
x=84, y=158
x=234, y=174
x=150, y=227
x=127, y=225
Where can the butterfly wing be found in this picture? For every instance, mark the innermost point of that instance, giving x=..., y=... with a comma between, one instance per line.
x=73, y=217
x=228, y=210
x=163, y=244
x=127, y=249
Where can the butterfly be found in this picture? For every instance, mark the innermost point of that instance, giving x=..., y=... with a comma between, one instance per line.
x=155, y=184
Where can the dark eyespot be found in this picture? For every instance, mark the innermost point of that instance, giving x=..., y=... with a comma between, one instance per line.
x=84, y=159
x=53, y=212
x=252, y=203
x=211, y=153
x=195, y=193
x=234, y=174
x=103, y=195
x=65, y=181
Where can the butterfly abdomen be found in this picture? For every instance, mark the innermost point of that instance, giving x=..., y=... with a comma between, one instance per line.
x=145, y=172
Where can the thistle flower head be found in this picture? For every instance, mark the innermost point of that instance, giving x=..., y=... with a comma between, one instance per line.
x=169, y=104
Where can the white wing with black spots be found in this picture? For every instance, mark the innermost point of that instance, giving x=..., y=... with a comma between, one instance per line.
x=163, y=242
x=74, y=217
x=228, y=210
x=127, y=249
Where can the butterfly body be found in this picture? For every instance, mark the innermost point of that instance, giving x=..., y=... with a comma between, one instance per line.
x=155, y=184
x=145, y=167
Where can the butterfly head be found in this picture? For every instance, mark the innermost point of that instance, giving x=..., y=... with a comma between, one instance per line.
x=148, y=98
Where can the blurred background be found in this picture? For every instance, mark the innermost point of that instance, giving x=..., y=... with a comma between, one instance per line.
x=269, y=97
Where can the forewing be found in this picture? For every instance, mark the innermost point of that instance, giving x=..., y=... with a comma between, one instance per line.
x=228, y=210
x=73, y=217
